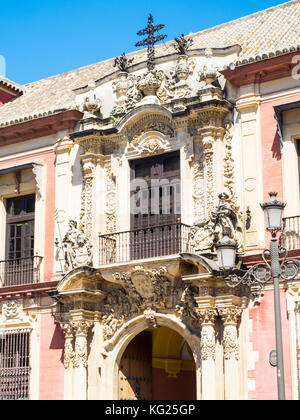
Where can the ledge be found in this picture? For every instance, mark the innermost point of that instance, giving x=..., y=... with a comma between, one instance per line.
x=27, y=290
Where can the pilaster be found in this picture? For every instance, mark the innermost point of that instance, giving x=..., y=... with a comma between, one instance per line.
x=81, y=329
x=68, y=359
x=230, y=317
x=208, y=352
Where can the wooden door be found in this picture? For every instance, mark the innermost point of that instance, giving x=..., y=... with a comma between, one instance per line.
x=135, y=370
x=156, y=202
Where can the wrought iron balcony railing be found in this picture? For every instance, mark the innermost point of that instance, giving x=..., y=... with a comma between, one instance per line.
x=20, y=271
x=144, y=243
x=14, y=383
x=291, y=233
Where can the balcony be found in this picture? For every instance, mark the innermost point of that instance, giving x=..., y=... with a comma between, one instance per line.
x=139, y=244
x=291, y=233
x=20, y=272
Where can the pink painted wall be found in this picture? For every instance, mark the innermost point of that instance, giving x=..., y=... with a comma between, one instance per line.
x=271, y=154
x=263, y=339
x=263, y=327
x=51, y=360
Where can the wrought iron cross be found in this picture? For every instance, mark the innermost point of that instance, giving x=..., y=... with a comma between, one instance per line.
x=151, y=40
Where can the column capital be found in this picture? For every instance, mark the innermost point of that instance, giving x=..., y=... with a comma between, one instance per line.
x=81, y=327
x=230, y=315
x=207, y=316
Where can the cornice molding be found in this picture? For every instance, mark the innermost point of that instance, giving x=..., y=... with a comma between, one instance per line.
x=39, y=127
x=261, y=71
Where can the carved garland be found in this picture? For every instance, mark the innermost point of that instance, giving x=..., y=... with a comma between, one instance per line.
x=111, y=201
x=86, y=211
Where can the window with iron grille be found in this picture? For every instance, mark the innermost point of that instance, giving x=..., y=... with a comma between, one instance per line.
x=14, y=364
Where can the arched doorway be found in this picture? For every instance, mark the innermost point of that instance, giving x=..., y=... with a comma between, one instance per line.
x=157, y=365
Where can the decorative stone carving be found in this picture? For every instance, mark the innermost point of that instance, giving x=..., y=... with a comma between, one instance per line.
x=150, y=122
x=208, y=340
x=12, y=309
x=151, y=146
x=222, y=222
x=198, y=181
x=77, y=248
x=209, y=72
x=175, y=85
x=149, y=314
x=146, y=291
x=81, y=329
x=230, y=317
x=86, y=211
x=69, y=353
x=148, y=84
x=91, y=105
x=110, y=201
x=127, y=93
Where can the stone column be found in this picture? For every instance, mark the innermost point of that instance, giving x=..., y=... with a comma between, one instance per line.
x=208, y=353
x=81, y=329
x=68, y=360
x=230, y=317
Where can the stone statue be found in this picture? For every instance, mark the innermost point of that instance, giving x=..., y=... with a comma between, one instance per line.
x=77, y=249
x=224, y=221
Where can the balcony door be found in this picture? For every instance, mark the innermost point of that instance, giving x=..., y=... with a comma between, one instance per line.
x=19, y=240
x=155, y=205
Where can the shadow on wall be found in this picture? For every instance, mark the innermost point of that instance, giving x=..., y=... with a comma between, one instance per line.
x=276, y=147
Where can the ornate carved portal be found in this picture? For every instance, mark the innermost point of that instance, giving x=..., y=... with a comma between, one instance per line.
x=116, y=303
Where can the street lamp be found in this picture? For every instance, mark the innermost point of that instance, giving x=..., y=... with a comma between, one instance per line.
x=261, y=273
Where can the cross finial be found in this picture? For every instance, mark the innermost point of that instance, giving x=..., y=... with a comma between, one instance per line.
x=151, y=40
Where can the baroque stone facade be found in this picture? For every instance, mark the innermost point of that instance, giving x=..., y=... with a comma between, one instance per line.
x=200, y=123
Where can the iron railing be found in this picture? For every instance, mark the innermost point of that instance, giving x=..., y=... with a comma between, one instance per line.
x=291, y=233
x=14, y=364
x=20, y=271
x=144, y=243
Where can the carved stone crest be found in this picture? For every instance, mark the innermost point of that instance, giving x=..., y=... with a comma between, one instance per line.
x=141, y=281
x=12, y=309
x=146, y=291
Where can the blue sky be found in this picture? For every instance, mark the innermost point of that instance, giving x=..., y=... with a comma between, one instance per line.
x=43, y=38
